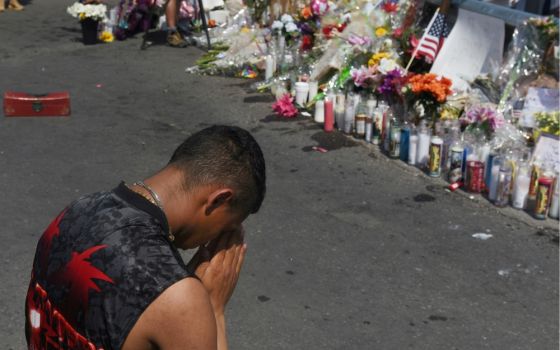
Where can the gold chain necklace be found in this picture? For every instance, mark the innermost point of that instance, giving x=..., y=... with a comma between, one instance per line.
x=155, y=200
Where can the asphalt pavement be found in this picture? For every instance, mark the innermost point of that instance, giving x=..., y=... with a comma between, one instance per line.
x=350, y=250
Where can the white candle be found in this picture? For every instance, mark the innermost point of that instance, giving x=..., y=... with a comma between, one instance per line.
x=553, y=211
x=520, y=190
x=371, y=104
x=423, y=153
x=554, y=203
x=349, y=115
x=269, y=70
x=320, y=111
x=313, y=87
x=412, y=147
x=302, y=90
x=494, y=181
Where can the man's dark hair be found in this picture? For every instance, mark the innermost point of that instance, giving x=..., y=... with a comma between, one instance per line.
x=224, y=155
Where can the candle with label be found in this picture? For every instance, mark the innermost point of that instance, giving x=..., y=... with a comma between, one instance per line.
x=436, y=151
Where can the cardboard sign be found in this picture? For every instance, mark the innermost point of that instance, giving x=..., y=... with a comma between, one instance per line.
x=474, y=47
x=538, y=100
x=548, y=151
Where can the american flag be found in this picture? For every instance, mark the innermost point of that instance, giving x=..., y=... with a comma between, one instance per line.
x=433, y=39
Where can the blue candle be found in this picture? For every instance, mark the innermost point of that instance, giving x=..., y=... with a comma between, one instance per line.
x=488, y=175
x=405, y=136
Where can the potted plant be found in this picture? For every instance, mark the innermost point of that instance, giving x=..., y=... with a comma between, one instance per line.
x=89, y=14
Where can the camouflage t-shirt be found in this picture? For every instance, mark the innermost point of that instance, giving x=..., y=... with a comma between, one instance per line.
x=97, y=267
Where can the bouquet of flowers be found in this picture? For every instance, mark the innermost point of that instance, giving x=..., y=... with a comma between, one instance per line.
x=427, y=92
x=284, y=106
x=309, y=22
x=483, y=117
x=286, y=27
x=365, y=77
x=392, y=84
x=96, y=12
x=548, y=122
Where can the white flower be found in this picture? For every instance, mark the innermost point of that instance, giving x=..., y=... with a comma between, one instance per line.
x=277, y=25
x=386, y=65
x=291, y=27
x=388, y=43
x=75, y=9
x=287, y=19
x=81, y=11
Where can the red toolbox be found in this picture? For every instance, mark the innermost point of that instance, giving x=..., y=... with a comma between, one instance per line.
x=20, y=104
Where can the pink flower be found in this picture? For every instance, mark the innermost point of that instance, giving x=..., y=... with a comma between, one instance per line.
x=354, y=39
x=285, y=106
x=364, y=76
x=484, y=115
x=497, y=121
x=319, y=7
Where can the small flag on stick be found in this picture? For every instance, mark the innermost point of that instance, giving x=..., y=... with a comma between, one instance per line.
x=433, y=38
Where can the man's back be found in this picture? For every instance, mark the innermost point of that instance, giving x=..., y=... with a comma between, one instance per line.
x=97, y=267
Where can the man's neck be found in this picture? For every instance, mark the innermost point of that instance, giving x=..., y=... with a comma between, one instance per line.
x=168, y=185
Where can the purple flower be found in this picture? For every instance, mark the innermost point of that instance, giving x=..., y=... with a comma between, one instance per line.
x=392, y=82
x=306, y=28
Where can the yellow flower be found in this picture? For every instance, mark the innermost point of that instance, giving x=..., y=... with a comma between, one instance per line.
x=82, y=16
x=380, y=31
x=374, y=60
x=106, y=37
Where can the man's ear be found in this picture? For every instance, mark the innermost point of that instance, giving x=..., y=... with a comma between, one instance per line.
x=217, y=199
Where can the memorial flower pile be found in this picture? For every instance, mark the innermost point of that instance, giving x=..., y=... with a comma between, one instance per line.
x=361, y=51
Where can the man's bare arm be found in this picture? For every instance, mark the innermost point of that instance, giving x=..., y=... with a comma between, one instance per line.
x=180, y=318
x=190, y=314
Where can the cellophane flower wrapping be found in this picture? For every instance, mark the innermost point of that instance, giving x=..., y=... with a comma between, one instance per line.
x=525, y=57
